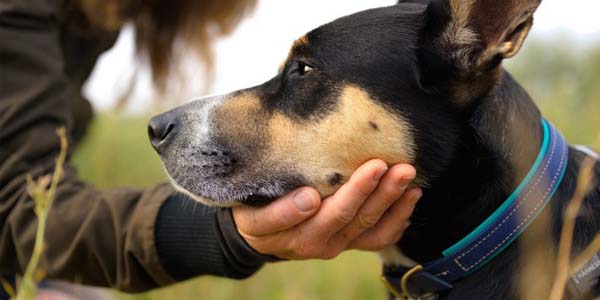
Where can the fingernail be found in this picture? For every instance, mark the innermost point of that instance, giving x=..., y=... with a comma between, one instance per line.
x=404, y=182
x=417, y=197
x=377, y=176
x=419, y=192
x=304, y=201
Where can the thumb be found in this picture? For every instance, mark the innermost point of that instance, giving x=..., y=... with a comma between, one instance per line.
x=283, y=213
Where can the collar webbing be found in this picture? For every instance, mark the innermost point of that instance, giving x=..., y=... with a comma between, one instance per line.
x=498, y=231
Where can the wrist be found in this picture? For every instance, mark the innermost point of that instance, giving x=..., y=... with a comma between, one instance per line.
x=192, y=240
x=239, y=249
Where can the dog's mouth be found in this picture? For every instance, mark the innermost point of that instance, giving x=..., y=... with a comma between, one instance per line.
x=220, y=193
x=258, y=200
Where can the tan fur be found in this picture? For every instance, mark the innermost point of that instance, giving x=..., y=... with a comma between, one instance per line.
x=299, y=43
x=488, y=24
x=358, y=129
x=456, y=41
x=245, y=107
x=505, y=46
x=479, y=31
x=241, y=121
x=302, y=41
x=461, y=11
x=341, y=141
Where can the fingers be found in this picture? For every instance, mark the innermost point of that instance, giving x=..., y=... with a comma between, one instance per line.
x=284, y=213
x=391, y=226
x=369, y=212
x=390, y=189
x=340, y=209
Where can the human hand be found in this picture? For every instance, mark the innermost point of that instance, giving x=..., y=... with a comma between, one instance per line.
x=369, y=212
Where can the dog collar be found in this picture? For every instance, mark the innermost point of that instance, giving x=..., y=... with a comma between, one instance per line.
x=496, y=233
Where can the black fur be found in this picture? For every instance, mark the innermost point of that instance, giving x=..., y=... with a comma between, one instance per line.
x=376, y=50
x=480, y=178
x=473, y=155
x=476, y=154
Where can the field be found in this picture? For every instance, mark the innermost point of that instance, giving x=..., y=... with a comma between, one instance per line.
x=117, y=153
x=562, y=79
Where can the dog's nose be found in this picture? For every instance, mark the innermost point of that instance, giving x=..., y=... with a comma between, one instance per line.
x=161, y=128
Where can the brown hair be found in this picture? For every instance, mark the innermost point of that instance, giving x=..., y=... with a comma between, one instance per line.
x=162, y=24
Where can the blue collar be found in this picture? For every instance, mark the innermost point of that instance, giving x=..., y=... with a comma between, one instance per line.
x=496, y=233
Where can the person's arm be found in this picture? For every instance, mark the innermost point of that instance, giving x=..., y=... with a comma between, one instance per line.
x=370, y=212
x=194, y=240
x=96, y=237
x=137, y=240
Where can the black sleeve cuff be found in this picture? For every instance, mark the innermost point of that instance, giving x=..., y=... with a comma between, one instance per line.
x=237, y=248
x=193, y=240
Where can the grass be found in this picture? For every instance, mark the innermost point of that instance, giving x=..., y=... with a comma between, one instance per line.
x=563, y=265
x=117, y=153
x=42, y=190
x=352, y=276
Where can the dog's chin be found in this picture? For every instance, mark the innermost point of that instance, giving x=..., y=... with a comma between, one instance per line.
x=218, y=196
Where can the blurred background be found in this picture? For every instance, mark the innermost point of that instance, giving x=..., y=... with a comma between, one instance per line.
x=559, y=66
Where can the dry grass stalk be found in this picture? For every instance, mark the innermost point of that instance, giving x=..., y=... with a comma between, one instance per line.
x=537, y=265
x=594, y=247
x=585, y=256
x=7, y=287
x=584, y=182
x=42, y=191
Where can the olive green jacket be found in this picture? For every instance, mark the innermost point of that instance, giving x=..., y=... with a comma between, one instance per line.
x=95, y=237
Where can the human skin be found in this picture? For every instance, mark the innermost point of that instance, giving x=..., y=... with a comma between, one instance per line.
x=369, y=212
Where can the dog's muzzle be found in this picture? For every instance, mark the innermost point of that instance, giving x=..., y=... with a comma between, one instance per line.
x=206, y=164
x=186, y=129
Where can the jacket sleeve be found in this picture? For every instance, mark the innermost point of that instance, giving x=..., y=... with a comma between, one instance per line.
x=95, y=237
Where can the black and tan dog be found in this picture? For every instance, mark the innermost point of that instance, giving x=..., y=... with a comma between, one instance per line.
x=420, y=82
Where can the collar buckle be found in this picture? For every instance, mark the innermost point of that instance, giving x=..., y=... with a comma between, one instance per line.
x=399, y=285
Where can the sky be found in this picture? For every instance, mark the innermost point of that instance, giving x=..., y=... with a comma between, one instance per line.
x=252, y=54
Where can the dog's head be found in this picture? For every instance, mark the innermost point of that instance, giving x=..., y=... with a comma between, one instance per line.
x=390, y=83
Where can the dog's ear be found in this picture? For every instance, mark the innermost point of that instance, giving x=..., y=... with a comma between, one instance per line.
x=479, y=34
x=466, y=40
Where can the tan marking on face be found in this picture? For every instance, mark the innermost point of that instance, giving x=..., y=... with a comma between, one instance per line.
x=299, y=43
x=241, y=120
x=341, y=141
x=245, y=106
x=302, y=41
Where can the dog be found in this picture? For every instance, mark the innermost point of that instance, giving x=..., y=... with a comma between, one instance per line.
x=420, y=82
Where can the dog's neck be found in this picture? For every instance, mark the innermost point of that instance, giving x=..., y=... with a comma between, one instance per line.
x=499, y=143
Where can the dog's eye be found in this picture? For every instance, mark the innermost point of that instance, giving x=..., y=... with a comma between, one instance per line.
x=304, y=69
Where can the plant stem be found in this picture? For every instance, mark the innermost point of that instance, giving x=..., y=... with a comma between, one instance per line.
x=43, y=197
